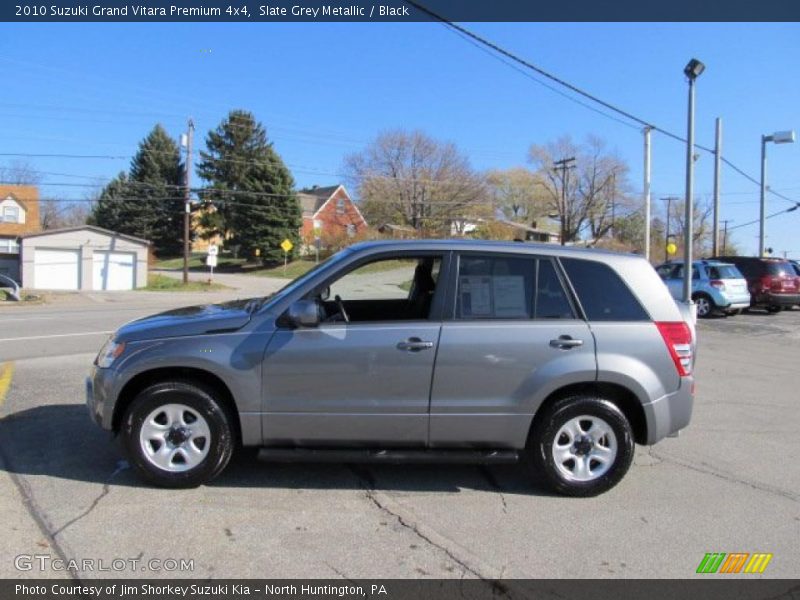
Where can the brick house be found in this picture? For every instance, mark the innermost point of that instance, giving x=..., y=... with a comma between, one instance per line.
x=19, y=215
x=331, y=211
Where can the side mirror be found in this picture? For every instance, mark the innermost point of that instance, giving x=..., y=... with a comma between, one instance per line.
x=303, y=313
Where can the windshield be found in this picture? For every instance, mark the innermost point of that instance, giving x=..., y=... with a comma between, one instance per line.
x=296, y=283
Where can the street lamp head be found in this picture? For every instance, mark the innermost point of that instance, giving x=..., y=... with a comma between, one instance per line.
x=783, y=137
x=694, y=69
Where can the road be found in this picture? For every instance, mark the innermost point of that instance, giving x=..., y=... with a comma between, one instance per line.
x=730, y=483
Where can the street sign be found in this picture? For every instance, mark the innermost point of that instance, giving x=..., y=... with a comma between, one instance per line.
x=287, y=245
x=211, y=260
x=213, y=250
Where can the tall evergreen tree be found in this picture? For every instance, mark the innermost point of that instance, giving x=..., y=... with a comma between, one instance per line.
x=147, y=202
x=251, y=188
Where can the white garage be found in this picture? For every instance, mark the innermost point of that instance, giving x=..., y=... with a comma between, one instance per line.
x=113, y=270
x=83, y=258
x=61, y=269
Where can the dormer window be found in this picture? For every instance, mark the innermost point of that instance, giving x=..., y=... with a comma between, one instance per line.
x=10, y=214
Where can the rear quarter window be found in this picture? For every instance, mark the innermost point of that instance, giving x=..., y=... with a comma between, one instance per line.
x=724, y=272
x=602, y=293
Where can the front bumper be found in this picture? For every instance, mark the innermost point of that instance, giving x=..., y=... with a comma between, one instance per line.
x=98, y=397
x=670, y=413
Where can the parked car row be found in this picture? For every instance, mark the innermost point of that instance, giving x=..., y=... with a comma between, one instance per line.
x=730, y=284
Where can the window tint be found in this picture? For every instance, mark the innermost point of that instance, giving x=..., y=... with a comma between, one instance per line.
x=551, y=300
x=724, y=272
x=604, y=296
x=510, y=288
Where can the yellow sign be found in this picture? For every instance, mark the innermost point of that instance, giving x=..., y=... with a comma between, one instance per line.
x=671, y=248
x=287, y=245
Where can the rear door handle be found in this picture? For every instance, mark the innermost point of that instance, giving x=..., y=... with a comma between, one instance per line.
x=414, y=344
x=565, y=342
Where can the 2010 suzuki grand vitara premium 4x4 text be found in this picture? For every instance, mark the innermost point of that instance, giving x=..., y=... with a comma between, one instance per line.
x=418, y=351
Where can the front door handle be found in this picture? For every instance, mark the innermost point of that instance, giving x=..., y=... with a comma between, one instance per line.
x=565, y=342
x=414, y=344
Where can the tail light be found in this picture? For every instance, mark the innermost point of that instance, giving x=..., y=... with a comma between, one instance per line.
x=678, y=338
x=766, y=283
x=717, y=283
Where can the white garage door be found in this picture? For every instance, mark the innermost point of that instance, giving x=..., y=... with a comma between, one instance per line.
x=56, y=269
x=113, y=270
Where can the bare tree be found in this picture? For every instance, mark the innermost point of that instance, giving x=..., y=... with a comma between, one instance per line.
x=590, y=195
x=55, y=214
x=520, y=194
x=411, y=179
x=19, y=172
x=701, y=225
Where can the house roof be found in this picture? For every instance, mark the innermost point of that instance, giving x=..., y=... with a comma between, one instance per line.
x=23, y=193
x=87, y=228
x=312, y=199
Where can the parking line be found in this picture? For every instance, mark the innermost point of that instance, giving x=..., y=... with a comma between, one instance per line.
x=6, y=373
x=55, y=335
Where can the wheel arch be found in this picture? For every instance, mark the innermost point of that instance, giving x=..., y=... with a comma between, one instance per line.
x=623, y=398
x=190, y=375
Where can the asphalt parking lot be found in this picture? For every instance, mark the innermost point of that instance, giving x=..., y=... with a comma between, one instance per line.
x=730, y=483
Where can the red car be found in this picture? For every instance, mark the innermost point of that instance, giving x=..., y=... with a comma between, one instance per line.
x=773, y=282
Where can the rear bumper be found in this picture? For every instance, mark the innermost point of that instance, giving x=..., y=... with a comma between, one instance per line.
x=670, y=413
x=772, y=299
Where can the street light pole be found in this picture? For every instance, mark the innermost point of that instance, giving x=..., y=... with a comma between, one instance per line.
x=187, y=209
x=779, y=137
x=692, y=72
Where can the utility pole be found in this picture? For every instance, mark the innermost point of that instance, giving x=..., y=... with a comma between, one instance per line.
x=564, y=165
x=717, y=164
x=647, y=192
x=725, y=235
x=187, y=208
x=613, y=203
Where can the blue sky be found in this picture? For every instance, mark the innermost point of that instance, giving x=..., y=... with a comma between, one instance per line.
x=324, y=90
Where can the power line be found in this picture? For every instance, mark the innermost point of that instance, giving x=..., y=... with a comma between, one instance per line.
x=477, y=39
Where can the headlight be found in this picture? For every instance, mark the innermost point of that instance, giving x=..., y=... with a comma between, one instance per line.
x=110, y=351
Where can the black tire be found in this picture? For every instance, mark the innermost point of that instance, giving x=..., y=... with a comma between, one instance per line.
x=197, y=398
x=539, y=451
x=773, y=309
x=707, y=304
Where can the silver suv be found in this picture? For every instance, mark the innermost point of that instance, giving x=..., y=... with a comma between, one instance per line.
x=446, y=351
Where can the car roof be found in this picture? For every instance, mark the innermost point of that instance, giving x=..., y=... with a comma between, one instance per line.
x=490, y=246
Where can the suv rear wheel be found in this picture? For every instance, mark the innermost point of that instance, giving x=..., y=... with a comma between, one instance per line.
x=582, y=444
x=705, y=306
x=177, y=434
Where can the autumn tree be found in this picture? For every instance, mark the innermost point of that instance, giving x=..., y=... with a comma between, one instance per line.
x=518, y=193
x=408, y=178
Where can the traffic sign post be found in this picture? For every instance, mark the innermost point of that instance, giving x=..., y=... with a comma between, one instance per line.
x=211, y=260
x=286, y=246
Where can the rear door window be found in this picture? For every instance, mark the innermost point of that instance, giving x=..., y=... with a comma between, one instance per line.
x=501, y=287
x=602, y=293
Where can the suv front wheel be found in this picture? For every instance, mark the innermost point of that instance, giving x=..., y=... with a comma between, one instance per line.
x=583, y=445
x=177, y=435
